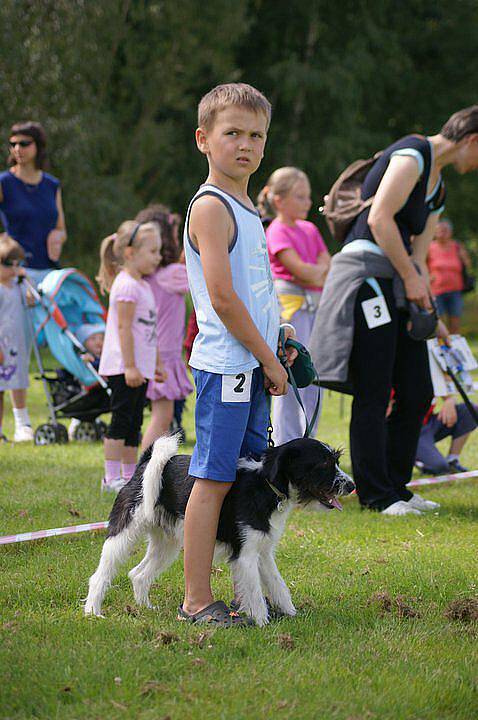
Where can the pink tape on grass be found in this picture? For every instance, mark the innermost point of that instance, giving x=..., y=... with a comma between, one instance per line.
x=88, y=527
x=39, y=534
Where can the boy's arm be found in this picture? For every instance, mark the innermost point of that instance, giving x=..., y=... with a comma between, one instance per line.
x=211, y=230
x=126, y=311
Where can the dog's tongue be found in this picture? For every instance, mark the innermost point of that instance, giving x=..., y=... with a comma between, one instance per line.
x=335, y=503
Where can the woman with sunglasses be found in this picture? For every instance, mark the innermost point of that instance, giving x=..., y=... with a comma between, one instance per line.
x=31, y=209
x=32, y=214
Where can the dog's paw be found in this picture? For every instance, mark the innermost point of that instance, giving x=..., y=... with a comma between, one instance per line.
x=93, y=612
x=289, y=610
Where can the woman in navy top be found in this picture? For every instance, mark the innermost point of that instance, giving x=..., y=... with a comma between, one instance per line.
x=32, y=214
x=408, y=194
x=30, y=200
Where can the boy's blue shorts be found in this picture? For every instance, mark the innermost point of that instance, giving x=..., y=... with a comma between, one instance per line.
x=226, y=431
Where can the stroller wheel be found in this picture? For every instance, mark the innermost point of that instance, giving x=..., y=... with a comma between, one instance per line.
x=101, y=428
x=45, y=435
x=85, y=432
x=61, y=434
x=48, y=434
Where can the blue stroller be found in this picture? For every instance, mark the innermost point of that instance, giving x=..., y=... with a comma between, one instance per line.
x=65, y=301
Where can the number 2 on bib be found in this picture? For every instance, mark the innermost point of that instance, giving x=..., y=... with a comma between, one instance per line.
x=236, y=388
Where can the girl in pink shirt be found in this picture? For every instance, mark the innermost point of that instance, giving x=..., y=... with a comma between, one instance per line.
x=129, y=358
x=169, y=285
x=299, y=261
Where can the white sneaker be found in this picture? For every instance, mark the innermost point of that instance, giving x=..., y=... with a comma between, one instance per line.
x=113, y=485
x=400, y=508
x=419, y=503
x=73, y=425
x=24, y=433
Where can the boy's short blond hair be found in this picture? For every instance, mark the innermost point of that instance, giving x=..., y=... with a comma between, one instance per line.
x=10, y=249
x=223, y=96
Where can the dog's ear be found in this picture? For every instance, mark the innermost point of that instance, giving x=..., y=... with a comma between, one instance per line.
x=275, y=466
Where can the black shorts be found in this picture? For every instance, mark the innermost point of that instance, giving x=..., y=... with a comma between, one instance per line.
x=127, y=407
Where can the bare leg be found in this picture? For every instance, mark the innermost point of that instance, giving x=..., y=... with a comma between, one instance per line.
x=453, y=325
x=161, y=418
x=129, y=455
x=19, y=399
x=458, y=444
x=113, y=449
x=200, y=529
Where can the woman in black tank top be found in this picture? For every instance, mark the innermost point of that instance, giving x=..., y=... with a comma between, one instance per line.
x=408, y=195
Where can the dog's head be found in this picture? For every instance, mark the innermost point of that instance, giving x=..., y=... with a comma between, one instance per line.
x=308, y=470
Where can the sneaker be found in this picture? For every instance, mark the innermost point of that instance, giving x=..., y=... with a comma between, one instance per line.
x=419, y=503
x=456, y=466
x=3, y=438
x=113, y=485
x=72, y=429
x=400, y=508
x=24, y=433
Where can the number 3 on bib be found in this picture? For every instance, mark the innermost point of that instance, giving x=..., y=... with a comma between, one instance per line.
x=376, y=312
x=236, y=388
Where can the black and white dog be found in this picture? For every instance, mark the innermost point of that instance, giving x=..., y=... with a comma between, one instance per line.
x=252, y=520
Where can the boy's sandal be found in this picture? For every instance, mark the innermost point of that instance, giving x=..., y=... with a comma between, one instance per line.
x=218, y=614
x=273, y=611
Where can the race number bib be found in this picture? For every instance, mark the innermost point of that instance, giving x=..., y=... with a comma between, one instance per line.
x=376, y=312
x=236, y=388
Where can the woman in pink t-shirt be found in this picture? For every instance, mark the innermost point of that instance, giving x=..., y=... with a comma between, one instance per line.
x=129, y=358
x=299, y=261
x=445, y=261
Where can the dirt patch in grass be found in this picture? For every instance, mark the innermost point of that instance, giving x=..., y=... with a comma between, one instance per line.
x=463, y=610
x=387, y=604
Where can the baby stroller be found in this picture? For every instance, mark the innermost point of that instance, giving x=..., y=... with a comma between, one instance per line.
x=64, y=301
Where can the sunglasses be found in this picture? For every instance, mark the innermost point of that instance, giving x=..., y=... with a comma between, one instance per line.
x=20, y=143
x=12, y=263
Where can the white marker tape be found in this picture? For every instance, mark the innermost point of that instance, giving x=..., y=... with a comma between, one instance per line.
x=70, y=530
x=443, y=478
x=38, y=534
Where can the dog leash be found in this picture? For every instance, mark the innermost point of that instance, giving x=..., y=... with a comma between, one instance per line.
x=310, y=370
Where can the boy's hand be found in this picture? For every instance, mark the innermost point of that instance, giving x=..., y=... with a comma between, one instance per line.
x=275, y=378
x=2, y=357
x=160, y=374
x=447, y=414
x=291, y=353
x=29, y=298
x=133, y=377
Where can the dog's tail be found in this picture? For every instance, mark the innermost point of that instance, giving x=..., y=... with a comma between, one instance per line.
x=164, y=449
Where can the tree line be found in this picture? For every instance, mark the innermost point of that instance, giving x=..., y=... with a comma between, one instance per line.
x=116, y=85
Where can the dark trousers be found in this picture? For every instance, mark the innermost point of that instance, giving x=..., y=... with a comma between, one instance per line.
x=127, y=408
x=383, y=451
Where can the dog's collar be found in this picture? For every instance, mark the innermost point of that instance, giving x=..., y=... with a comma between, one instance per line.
x=282, y=496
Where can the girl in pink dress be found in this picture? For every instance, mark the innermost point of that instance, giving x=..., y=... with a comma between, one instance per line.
x=129, y=358
x=169, y=285
x=299, y=262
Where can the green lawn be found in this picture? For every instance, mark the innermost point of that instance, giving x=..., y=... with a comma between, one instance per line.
x=371, y=639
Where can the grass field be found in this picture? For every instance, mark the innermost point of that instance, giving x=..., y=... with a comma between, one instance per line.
x=373, y=638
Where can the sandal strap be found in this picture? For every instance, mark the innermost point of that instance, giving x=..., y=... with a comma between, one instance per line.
x=218, y=613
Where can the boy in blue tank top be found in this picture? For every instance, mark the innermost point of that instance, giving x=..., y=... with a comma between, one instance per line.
x=234, y=355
